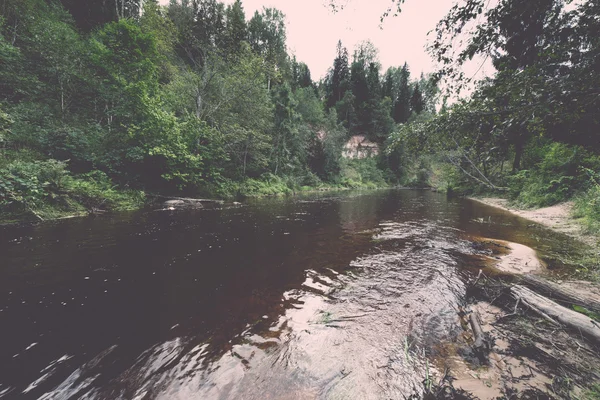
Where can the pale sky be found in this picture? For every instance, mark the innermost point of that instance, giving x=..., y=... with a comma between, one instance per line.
x=313, y=30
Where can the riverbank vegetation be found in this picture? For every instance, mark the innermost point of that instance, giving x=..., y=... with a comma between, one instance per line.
x=530, y=131
x=103, y=104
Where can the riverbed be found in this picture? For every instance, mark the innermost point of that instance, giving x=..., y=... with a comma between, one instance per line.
x=336, y=295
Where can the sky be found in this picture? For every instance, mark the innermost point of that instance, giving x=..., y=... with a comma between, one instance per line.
x=313, y=30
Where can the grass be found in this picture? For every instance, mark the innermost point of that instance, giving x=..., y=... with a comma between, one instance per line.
x=593, y=393
x=587, y=209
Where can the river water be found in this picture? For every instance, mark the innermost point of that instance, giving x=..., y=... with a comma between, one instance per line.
x=324, y=296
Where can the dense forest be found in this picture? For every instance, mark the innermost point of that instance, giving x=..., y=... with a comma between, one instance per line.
x=106, y=102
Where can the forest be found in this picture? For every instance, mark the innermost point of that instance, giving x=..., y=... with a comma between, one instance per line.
x=109, y=103
x=103, y=107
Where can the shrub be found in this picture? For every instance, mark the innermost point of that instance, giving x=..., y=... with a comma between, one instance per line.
x=357, y=173
x=46, y=189
x=555, y=178
x=269, y=185
x=26, y=185
x=96, y=190
x=587, y=204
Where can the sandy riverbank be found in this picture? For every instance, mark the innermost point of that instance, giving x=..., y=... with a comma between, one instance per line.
x=507, y=368
x=557, y=217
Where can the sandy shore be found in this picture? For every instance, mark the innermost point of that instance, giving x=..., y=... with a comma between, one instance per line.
x=506, y=369
x=557, y=217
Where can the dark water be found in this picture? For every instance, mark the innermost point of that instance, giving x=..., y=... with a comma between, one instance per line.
x=338, y=296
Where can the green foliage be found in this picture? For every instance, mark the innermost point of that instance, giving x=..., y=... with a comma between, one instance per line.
x=361, y=173
x=587, y=204
x=587, y=312
x=309, y=106
x=125, y=53
x=593, y=393
x=96, y=190
x=269, y=185
x=555, y=178
x=46, y=189
x=190, y=98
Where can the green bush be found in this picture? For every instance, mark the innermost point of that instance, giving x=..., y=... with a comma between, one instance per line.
x=361, y=173
x=311, y=179
x=555, y=178
x=268, y=185
x=26, y=185
x=46, y=189
x=587, y=205
x=96, y=190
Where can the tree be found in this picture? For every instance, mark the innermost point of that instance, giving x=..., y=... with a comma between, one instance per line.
x=430, y=91
x=309, y=106
x=209, y=24
x=267, y=37
x=388, y=84
x=93, y=13
x=236, y=29
x=289, y=147
x=338, y=78
x=402, y=102
x=300, y=75
x=417, y=103
x=541, y=51
x=360, y=90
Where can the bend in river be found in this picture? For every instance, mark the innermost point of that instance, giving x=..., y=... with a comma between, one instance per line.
x=323, y=296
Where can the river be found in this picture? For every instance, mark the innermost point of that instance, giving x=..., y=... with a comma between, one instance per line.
x=336, y=295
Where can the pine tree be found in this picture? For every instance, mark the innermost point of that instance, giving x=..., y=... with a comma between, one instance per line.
x=388, y=84
x=360, y=89
x=416, y=100
x=402, y=103
x=339, y=79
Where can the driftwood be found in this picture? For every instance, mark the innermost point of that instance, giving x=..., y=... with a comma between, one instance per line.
x=556, y=313
x=480, y=343
x=189, y=199
x=562, y=293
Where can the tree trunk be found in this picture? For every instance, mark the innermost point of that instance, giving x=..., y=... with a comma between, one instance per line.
x=562, y=293
x=198, y=105
x=14, y=38
x=245, y=158
x=557, y=313
x=518, y=155
x=62, y=99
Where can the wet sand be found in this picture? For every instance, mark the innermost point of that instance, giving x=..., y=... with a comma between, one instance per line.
x=520, y=260
x=518, y=372
x=557, y=217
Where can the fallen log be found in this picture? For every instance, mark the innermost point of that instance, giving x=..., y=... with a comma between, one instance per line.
x=556, y=313
x=479, y=340
x=189, y=199
x=562, y=293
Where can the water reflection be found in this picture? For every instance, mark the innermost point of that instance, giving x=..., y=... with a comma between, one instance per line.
x=334, y=296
